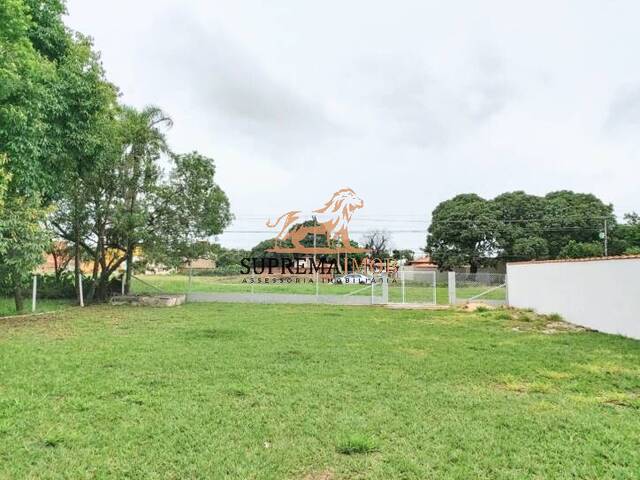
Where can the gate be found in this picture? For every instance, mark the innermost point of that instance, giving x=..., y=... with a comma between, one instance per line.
x=413, y=287
x=490, y=288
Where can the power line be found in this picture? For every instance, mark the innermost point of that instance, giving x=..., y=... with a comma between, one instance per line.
x=502, y=220
x=560, y=229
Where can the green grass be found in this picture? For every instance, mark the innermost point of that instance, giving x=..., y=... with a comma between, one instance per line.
x=8, y=306
x=416, y=292
x=295, y=392
x=355, y=443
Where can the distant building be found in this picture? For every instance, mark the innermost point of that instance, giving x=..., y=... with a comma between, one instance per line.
x=200, y=264
x=422, y=264
x=425, y=264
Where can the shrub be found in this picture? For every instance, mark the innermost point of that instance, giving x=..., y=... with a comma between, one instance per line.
x=228, y=270
x=502, y=315
x=555, y=317
x=51, y=287
x=355, y=444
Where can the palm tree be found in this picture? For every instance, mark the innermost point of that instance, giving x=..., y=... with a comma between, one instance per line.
x=144, y=141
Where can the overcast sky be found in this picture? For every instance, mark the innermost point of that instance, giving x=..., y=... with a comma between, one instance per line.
x=406, y=102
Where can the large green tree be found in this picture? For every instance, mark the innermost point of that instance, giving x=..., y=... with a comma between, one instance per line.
x=468, y=230
x=188, y=209
x=463, y=231
x=521, y=232
x=144, y=142
x=29, y=100
x=129, y=208
x=574, y=216
x=54, y=104
x=66, y=142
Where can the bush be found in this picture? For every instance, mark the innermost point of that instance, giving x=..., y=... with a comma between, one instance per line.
x=228, y=270
x=575, y=249
x=51, y=287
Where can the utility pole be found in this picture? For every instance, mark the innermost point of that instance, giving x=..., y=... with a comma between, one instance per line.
x=606, y=239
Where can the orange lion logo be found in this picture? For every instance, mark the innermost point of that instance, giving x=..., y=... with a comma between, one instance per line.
x=331, y=220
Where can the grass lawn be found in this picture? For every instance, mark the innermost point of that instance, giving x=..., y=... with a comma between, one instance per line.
x=416, y=292
x=314, y=392
x=8, y=306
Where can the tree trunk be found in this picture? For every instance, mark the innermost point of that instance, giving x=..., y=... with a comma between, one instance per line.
x=96, y=265
x=129, y=271
x=103, y=282
x=56, y=268
x=473, y=268
x=76, y=270
x=76, y=249
x=19, y=299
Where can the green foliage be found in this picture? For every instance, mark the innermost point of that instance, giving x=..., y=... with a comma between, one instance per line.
x=124, y=205
x=22, y=243
x=468, y=230
x=626, y=237
x=54, y=287
x=230, y=257
x=529, y=248
x=26, y=94
x=356, y=444
x=228, y=270
x=574, y=216
x=463, y=231
x=260, y=250
x=5, y=177
x=84, y=136
x=65, y=140
x=402, y=254
x=48, y=34
x=575, y=249
x=190, y=208
x=521, y=232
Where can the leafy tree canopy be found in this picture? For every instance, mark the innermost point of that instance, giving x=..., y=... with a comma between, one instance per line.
x=464, y=231
x=468, y=230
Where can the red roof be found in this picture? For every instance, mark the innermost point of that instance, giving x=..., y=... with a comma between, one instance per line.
x=422, y=262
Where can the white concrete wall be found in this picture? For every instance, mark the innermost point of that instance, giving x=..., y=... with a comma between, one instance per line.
x=600, y=294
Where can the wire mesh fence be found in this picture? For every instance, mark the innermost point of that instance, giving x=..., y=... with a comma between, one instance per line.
x=206, y=284
x=403, y=286
x=409, y=286
x=481, y=287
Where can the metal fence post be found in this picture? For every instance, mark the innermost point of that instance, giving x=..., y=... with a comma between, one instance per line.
x=435, y=288
x=385, y=289
x=452, y=288
x=80, y=292
x=506, y=290
x=34, y=293
x=372, y=292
